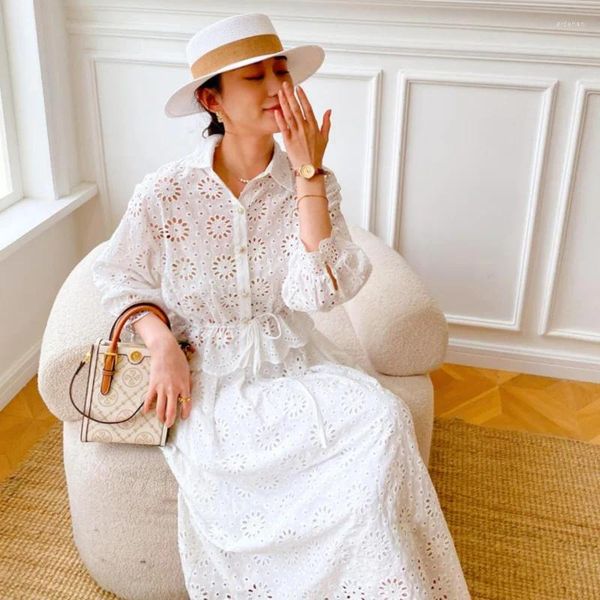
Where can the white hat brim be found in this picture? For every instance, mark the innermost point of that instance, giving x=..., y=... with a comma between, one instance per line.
x=302, y=62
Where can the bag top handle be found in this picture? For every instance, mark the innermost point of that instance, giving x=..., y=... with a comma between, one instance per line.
x=110, y=358
x=119, y=323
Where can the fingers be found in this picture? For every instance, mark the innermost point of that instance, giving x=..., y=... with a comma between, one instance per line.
x=308, y=111
x=167, y=400
x=326, y=124
x=285, y=109
x=161, y=404
x=281, y=123
x=166, y=406
x=171, y=409
x=291, y=108
x=186, y=407
x=149, y=400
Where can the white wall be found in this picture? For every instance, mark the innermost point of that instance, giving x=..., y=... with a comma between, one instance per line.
x=464, y=133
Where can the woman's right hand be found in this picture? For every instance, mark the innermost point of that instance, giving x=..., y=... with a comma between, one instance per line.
x=169, y=377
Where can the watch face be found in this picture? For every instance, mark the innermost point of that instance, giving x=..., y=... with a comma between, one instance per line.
x=307, y=170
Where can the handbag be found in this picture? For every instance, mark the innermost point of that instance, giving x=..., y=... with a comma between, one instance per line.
x=117, y=384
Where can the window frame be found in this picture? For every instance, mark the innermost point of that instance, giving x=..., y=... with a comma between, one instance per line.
x=9, y=152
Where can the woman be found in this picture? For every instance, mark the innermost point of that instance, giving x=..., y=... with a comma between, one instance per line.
x=299, y=474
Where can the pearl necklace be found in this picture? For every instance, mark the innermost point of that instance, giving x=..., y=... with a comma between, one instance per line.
x=246, y=180
x=243, y=180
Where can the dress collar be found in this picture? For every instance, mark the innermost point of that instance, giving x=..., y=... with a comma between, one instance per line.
x=279, y=168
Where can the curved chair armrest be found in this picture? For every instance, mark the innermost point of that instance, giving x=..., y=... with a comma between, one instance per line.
x=402, y=328
x=76, y=320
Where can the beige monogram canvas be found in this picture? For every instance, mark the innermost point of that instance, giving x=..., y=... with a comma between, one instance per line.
x=128, y=389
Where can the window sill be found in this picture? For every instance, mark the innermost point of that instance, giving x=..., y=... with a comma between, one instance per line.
x=27, y=218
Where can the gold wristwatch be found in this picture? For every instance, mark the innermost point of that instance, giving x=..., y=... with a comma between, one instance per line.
x=308, y=171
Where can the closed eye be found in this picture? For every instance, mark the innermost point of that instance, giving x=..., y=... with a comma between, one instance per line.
x=260, y=76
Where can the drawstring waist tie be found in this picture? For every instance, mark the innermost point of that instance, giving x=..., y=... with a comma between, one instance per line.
x=252, y=331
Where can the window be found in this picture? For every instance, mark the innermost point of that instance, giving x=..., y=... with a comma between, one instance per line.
x=10, y=184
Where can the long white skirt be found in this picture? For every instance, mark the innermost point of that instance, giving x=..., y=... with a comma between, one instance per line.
x=307, y=487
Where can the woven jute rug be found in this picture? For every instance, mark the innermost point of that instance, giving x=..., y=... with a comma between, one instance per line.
x=523, y=509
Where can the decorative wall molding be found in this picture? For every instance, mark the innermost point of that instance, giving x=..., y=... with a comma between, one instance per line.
x=559, y=22
x=372, y=119
x=584, y=90
x=573, y=7
x=92, y=59
x=547, y=90
x=589, y=8
x=393, y=45
x=525, y=358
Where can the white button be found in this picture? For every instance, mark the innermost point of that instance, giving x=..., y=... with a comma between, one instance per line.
x=241, y=209
x=245, y=294
x=242, y=249
x=245, y=320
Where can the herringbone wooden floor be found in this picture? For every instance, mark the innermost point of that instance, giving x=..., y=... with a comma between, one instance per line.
x=518, y=401
x=480, y=396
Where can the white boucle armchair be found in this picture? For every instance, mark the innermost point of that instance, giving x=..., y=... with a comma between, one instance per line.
x=123, y=498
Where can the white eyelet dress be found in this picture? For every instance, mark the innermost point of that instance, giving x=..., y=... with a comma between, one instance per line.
x=299, y=474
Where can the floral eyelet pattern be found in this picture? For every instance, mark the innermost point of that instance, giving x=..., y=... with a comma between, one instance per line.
x=167, y=189
x=299, y=475
x=219, y=227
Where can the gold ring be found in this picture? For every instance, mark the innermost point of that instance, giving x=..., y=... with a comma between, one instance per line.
x=183, y=399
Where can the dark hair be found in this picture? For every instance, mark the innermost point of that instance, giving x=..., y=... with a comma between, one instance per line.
x=214, y=83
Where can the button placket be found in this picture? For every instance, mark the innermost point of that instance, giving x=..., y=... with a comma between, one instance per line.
x=240, y=248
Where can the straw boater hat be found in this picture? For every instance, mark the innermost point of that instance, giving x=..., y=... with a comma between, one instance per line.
x=235, y=42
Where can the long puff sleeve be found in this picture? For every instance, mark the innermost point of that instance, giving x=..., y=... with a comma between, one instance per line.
x=128, y=269
x=307, y=285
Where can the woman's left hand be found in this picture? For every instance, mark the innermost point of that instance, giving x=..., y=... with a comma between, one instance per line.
x=304, y=141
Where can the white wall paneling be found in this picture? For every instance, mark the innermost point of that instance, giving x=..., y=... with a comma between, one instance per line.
x=452, y=135
x=464, y=133
x=571, y=307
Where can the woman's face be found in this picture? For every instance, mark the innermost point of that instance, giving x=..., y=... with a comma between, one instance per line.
x=248, y=92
